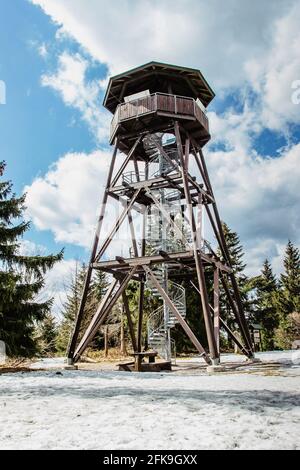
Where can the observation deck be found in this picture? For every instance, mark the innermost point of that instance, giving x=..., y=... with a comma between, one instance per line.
x=155, y=110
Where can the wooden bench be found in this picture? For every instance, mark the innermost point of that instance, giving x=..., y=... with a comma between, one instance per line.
x=139, y=356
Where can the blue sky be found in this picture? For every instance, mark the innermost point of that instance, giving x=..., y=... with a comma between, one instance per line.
x=55, y=59
x=36, y=126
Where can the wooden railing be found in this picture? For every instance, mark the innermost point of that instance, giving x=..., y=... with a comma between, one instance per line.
x=173, y=104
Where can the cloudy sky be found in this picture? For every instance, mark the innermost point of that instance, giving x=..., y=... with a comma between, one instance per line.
x=55, y=59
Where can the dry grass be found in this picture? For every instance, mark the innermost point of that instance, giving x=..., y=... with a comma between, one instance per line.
x=19, y=364
x=114, y=355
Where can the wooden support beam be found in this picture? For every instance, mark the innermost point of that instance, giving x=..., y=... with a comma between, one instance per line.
x=133, y=238
x=182, y=322
x=235, y=339
x=101, y=316
x=163, y=153
x=200, y=221
x=187, y=153
x=138, y=208
x=236, y=312
x=104, y=301
x=157, y=183
x=156, y=259
x=217, y=308
x=129, y=320
x=232, y=276
x=75, y=333
x=126, y=161
x=117, y=226
x=199, y=267
x=167, y=216
x=227, y=329
x=140, y=317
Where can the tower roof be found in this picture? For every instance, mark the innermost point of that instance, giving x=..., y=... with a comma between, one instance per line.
x=158, y=77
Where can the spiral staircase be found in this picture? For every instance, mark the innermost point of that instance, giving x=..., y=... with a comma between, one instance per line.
x=164, y=235
x=162, y=320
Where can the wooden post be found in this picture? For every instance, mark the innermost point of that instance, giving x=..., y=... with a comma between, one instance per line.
x=227, y=257
x=75, y=333
x=217, y=308
x=200, y=271
x=129, y=320
x=106, y=341
x=183, y=323
x=117, y=225
x=122, y=339
x=140, y=318
x=101, y=315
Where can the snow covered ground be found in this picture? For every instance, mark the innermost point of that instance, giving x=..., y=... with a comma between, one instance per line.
x=117, y=410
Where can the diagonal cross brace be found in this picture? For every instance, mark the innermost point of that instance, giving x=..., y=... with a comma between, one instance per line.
x=181, y=320
x=101, y=315
x=117, y=225
x=166, y=215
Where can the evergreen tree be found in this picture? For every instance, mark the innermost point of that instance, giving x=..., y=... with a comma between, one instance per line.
x=70, y=308
x=236, y=254
x=47, y=335
x=289, y=300
x=266, y=314
x=96, y=291
x=21, y=277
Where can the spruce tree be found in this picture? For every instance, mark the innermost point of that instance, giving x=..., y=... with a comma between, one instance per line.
x=288, y=298
x=266, y=314
x=70, y=308
x=289, y=301
x=236, y=253
x=21, y=277
x=47, y=335
x=97, y=290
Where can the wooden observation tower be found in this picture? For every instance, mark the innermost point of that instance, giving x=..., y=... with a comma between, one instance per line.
x=159, y=128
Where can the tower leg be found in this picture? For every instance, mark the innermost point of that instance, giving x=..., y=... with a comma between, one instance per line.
x=182, y=322
x=199, y=267
x=75, y=333
x=140, y=318
x=130, y=324
x=217, y=308
x=101, y=315
x=226, y=253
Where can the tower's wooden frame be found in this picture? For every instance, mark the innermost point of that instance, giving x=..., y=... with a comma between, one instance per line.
x=135, y=196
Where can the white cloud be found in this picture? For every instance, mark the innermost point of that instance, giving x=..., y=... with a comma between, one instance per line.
x=57, y=280
x=255, y=44
x=189, y=32
x=43, y=51
x=29, y=248
x=66, y=199
x=273, y=77
x=259, y=198
x=248, y=47
x=70, y=82
x=57, y=285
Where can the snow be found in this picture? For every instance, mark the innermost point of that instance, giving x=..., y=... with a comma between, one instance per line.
x=89, y=409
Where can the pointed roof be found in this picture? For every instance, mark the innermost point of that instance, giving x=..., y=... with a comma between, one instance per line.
x=157, y=77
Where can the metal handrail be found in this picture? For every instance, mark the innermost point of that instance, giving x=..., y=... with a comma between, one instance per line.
x=150, y=104
x=156, y=322
x=132, y=177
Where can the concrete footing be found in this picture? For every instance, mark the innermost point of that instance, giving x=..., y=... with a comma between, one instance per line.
x=253, y=360
x=215, y=369
x=71, y=367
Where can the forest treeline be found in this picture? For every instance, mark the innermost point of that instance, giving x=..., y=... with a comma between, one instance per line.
x=29, y=327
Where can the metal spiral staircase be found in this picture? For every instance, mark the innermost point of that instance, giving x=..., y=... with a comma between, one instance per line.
x=169, y=236
x=162, y=320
